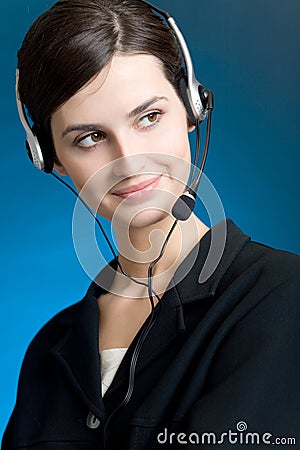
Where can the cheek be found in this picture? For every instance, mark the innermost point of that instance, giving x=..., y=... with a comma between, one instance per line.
x=79, y=175
x=179, y=159
x=80, y=167
x=175, y=138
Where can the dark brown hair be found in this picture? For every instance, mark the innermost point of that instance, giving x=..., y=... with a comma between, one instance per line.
x=75, y=39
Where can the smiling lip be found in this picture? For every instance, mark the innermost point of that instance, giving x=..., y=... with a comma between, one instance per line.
x=136, y=188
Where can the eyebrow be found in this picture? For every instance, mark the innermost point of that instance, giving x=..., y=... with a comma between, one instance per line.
x=139, y=109
x=94, y=126
x=80, y=127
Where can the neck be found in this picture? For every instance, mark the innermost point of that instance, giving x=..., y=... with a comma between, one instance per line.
x=141, y=246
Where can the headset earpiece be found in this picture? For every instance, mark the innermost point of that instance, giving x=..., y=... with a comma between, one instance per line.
x=46, y=148
x=183, y=88
x=38, y=145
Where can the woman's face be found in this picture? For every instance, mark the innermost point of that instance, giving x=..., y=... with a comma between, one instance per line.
x=123, y=140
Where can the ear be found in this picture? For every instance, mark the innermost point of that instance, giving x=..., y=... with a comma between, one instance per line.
x=190, y=126
x=59, y=168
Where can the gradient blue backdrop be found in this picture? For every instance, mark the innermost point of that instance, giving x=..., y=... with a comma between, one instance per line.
x=248, y=53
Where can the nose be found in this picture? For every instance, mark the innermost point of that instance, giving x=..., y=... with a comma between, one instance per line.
x=130, y=158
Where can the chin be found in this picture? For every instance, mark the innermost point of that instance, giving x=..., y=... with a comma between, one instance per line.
x=149, y=218
x=144, y=219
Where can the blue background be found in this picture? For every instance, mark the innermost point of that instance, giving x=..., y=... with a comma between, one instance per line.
x=247, y=52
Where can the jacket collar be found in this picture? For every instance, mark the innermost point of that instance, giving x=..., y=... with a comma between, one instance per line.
x=209, y=260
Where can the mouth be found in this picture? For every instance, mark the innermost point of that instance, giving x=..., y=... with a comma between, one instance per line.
x=137, y=190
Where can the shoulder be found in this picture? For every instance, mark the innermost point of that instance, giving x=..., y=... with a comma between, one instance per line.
x=75, y=321
x=271, y=266
x=56, y=329
x=261, y=281
x=267, y=282
x=247, y=260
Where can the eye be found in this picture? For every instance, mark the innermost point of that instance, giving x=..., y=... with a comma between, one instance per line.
x=149, y=119
x=91, y=139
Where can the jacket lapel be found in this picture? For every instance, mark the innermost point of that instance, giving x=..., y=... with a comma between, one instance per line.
x=77, y=353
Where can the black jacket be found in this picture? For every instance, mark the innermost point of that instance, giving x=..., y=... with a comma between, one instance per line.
x=221, y=365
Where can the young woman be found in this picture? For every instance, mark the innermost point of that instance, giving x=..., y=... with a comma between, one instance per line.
x=155, y=355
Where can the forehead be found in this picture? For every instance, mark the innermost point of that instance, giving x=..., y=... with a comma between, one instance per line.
x=125, y=81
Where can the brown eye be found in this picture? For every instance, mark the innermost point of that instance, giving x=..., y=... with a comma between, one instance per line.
x=149, y=119
x=96, y=137
x=91, y=139
x=152, y=117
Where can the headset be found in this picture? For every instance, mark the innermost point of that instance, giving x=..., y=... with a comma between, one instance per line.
x=197, y=100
